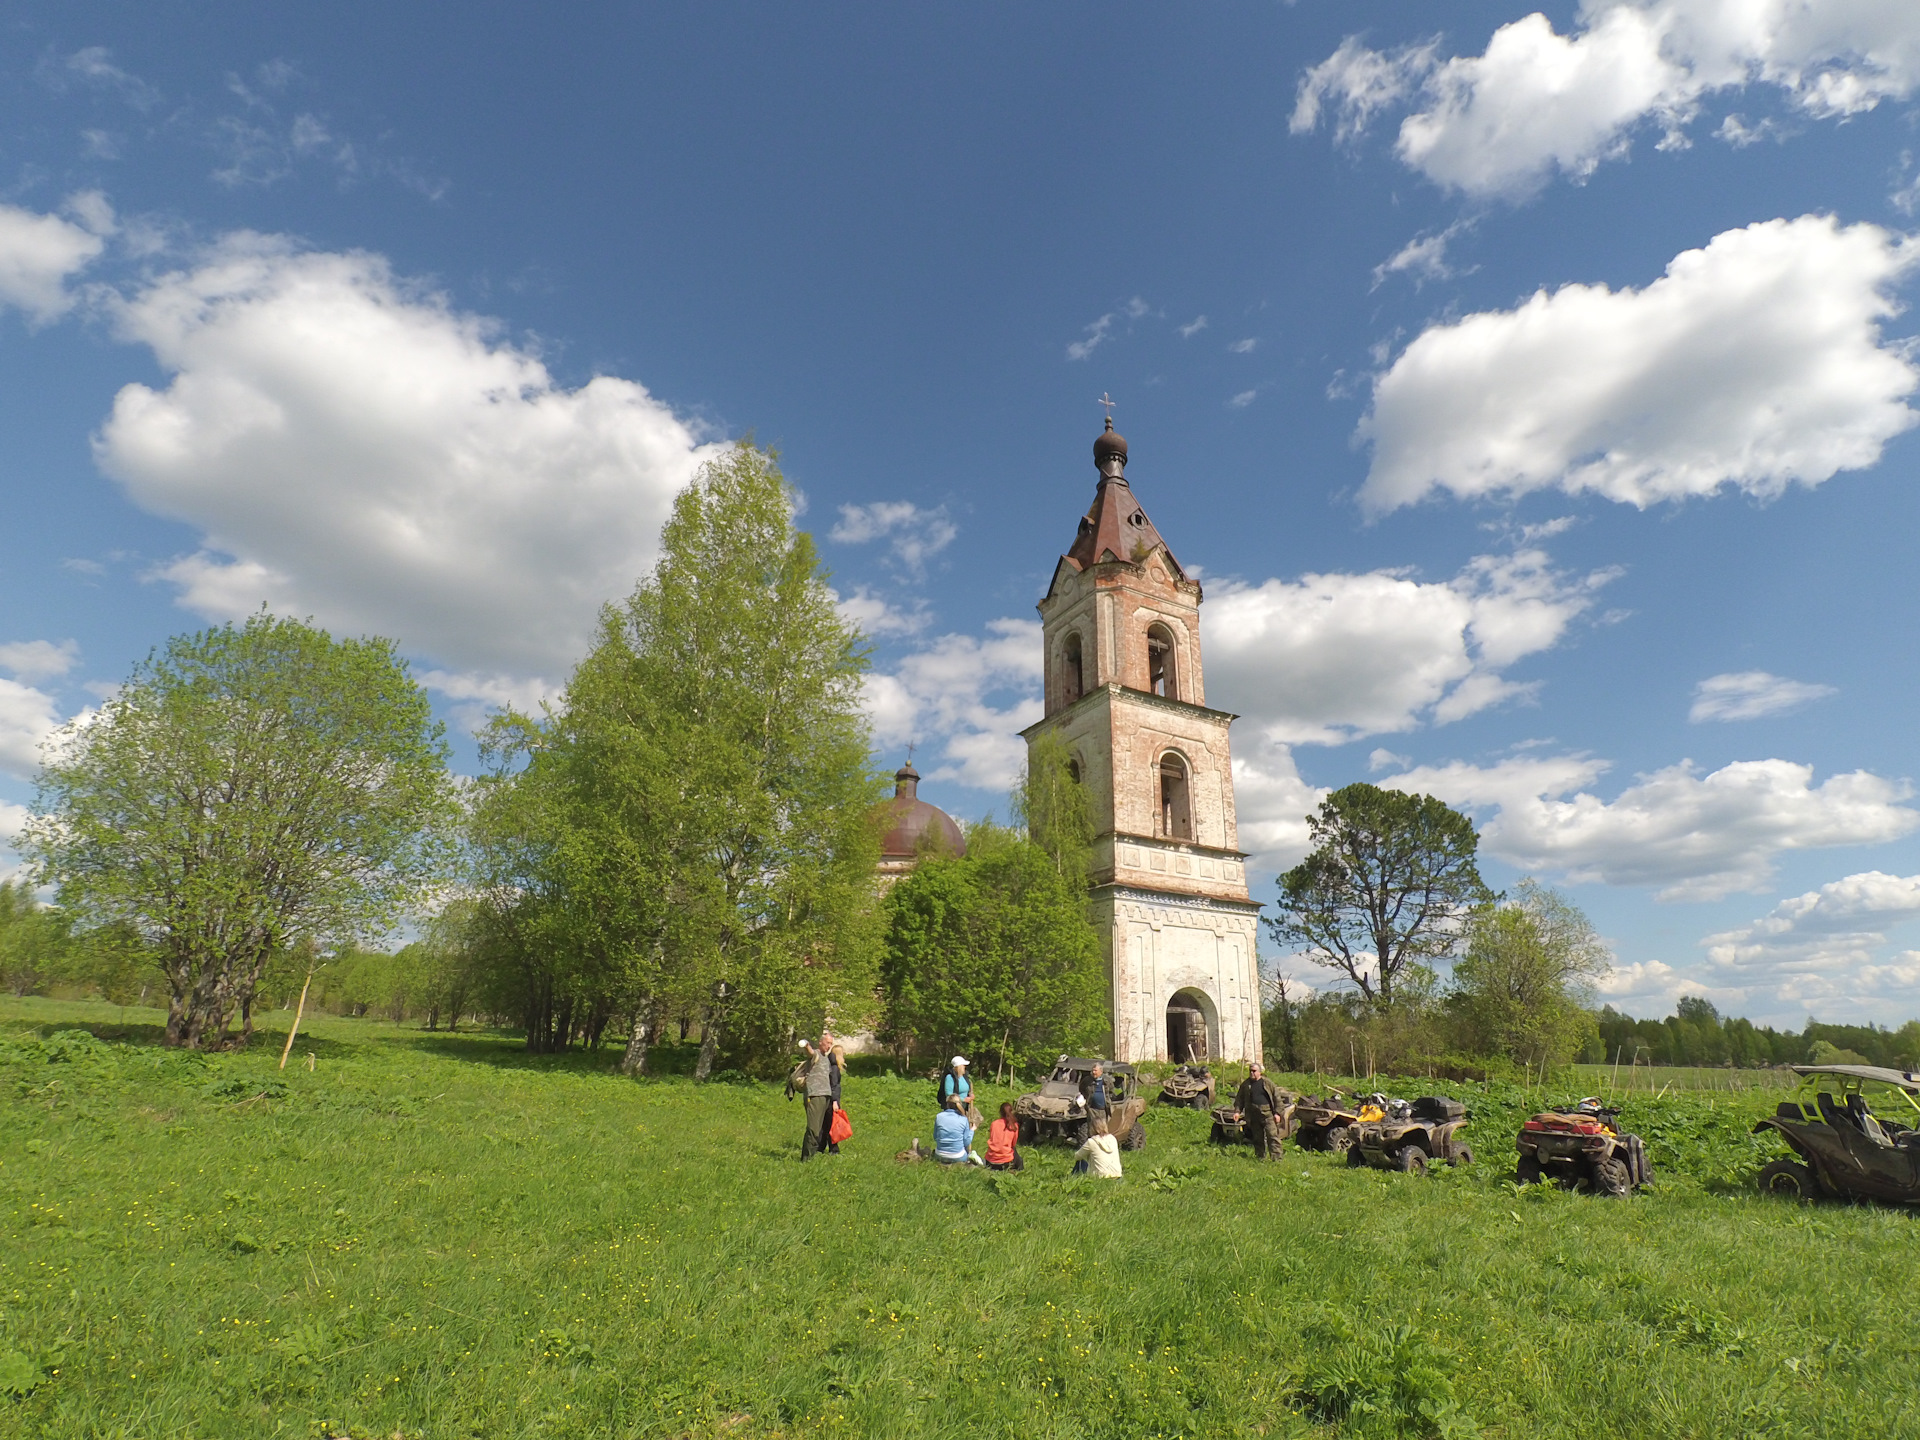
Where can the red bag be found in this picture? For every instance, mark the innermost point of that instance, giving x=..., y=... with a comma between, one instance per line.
x=841, y=1128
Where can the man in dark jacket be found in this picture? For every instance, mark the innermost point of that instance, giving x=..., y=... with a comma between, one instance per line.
x=1259, y=1103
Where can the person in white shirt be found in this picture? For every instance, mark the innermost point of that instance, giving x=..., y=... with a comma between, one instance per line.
x=1099, y=1156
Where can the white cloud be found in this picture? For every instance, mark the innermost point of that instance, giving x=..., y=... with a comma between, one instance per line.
x=355, y=449
x=1424, y=257
x=38, y=659
x=1826, y=949
x=1749, y=694
x=1536, y=102
x=1244, y=347
x=875, y=615
x=916, y=534
x=1698, y=837
x=1193, y=327
x=1330, y=658
x=1243, y=399
x=94, y=66
x=1755, y=362
x=1097, y=335
x=27, y=717
x=1271, y=802
x=37, y=254
x=972, y=696
x=1385, y=759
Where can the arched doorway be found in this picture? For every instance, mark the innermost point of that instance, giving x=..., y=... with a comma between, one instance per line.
x=1193, y=1028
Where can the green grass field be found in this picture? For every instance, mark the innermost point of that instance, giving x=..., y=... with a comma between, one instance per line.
x=441, y=1236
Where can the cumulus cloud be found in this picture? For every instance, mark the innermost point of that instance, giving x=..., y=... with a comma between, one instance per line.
x=354, y=448
x=1756, y=362
x=914, y=534
x=37, y=255
x=27, y=717
x=1193, y=327
x=1325, y=659
x=38, y=659
x=969, y=695
x=1749, y=694
x=1535, y=103
x=1825, y=949
x=876, y=615
x=1697, y=837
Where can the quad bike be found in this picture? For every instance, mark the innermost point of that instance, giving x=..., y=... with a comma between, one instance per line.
x=1190, y=1086
x=1058, y=1111
x=1411, y=1135
x=1846, y=1151
x=1228, y=1126
x=1330, y=1121
x=1582, y=1146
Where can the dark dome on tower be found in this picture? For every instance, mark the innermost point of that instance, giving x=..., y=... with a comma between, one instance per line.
x=1110, y=452
x=915, y=826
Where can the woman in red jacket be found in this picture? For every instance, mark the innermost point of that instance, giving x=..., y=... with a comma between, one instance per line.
x=1003, y=1141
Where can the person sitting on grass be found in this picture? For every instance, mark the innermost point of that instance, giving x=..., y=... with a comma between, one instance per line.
x=953, y=1136
x=1003, y=1141
x=1099, y=1156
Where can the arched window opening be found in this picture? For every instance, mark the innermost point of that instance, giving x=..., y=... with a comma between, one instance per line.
x=1176, y=815
x=1160, y=677
x=1073, y=769
x=1072, y=679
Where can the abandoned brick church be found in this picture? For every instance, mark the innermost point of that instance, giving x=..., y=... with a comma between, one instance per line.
x=1125, y=690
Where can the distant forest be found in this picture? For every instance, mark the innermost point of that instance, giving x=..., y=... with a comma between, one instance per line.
x=1697, y=1035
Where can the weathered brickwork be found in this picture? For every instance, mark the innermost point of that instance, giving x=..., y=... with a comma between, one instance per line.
x=1125, y=689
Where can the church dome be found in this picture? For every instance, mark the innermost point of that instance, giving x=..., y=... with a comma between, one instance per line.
x=1110, y=452
x=915, y=825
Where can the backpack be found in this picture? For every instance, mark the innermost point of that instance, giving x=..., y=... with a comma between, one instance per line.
x=940, y=1091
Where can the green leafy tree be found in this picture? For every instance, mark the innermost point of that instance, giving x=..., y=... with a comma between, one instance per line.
x=693, y=829
x=36, y=943
x=991, y=955
x=1524, y=985
x=1051, y=804
x=247, y=786
x=1385, y=893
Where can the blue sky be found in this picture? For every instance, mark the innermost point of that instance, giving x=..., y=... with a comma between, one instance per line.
x=1532, y=391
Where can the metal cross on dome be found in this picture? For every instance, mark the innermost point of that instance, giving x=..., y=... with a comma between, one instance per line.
x=1107, y=401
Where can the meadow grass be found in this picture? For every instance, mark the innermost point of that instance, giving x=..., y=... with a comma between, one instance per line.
x=433, y=1235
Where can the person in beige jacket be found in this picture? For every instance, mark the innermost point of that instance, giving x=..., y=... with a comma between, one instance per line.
x=1100, y=1155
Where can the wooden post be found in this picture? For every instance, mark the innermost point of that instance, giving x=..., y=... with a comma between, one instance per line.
x=295, y=1028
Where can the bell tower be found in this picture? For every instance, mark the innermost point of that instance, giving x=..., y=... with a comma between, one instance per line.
x=1126, y=692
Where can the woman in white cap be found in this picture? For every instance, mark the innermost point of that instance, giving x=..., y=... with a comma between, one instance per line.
x=956, y=1089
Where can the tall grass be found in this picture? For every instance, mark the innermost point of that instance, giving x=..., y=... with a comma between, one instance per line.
x=442, y=1236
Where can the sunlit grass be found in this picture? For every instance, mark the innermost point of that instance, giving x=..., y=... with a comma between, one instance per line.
x=443, y=1236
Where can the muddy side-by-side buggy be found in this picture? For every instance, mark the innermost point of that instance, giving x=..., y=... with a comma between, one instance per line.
x=1058, y=1110
x=1582, y=1147
x=1411, y=1135
x=1846, y=1151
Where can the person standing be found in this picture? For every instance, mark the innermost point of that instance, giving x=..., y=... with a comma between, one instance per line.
x=957, y=1089
x=1099, y=1101
x=1003, y=1141
x=820, y=1085
x=1259, y=1104
x=839, y=1073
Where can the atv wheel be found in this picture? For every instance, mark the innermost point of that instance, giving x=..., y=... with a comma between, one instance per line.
x=1135, y=1138
x=1463, y=1156
x=1410, y=1160
x=1611, y=1177
x=1788, y=1179
x=1339, y=1139
x=1220, y=1135
x=1355, y=1157
x=1026, y=1132
x=1527, y=1172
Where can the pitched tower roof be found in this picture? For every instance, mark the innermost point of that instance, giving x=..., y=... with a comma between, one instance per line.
x=1114, y=527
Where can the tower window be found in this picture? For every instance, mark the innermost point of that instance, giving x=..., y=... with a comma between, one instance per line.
x=1160, y=677
x=1175, y=819
x=1072, y=677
